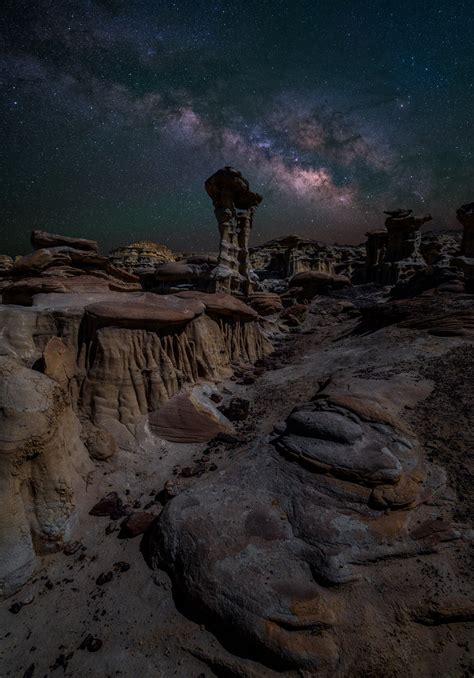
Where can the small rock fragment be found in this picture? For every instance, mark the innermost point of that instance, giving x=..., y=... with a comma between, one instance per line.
x=72, y=548
x=90, y=643
x=237, y=409
x=107, y=506
x=137, y=523
x=104, y=578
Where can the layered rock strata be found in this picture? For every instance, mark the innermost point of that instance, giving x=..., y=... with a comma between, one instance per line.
x=79, y=374
x=234, y=207
x=63, y=267
x=326, y=515
x=39, y=437
x=284, y=257
x=141, y=258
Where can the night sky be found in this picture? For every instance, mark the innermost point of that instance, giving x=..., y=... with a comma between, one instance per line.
x=114, y=114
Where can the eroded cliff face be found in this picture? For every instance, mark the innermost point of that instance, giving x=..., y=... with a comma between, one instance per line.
x=39, y=437
x=285, y=257
x=79, y=372
x=129, y=373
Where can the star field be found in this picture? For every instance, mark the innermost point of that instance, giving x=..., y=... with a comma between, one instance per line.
x=114, y=113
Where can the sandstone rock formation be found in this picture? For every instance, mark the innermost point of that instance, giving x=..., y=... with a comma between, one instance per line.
x=6, y=262
x=39, y=435
x=234, y=207
x=393, y=253
x=186, y=274
x=328, y=516
x=138, y=354
x=265, y=303
x=465, y=215
x=189, y=418
x=439, y=247
x=285, y=257
x=64, y=268
x=141, y=257
x=324, y=531
x=43, y=240
x=86, y=356
x=376, y=246
x=403, y=234
x=305, y=286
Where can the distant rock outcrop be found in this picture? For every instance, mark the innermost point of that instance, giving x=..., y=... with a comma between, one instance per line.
x=43, y=239
x=141, y=257
x=394, y=253
x=403, y=235
x=284, y=257
x=63, y=268
x=305, y=286
x=6, y=262
x=465, y=215
x=192, y=273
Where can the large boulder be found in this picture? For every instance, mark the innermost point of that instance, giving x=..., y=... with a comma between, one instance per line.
x=189, y=418
x=265, y=303
x=222, y=304
x=323, y=522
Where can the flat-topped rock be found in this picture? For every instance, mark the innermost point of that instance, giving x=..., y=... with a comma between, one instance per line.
x=320, y=280
x=145, y=311
x=40, y=239
x=223, y=304
x=22, y=292
x=45, y=258
x=173, y=271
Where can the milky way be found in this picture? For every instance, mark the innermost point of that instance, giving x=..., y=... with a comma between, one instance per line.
x=114, y=114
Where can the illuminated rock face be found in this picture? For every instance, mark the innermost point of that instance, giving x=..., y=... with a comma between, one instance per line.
x=137, y=354
x=234, y=207
x=465, y=215
x=78, y=374
x=39, y=436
